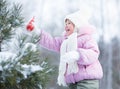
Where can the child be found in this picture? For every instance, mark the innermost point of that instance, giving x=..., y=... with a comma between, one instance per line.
x=79, y=66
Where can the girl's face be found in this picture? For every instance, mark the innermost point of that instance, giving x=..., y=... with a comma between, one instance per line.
x=69, y=27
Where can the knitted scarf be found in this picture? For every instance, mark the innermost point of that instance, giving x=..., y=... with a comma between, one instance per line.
x=70, y=44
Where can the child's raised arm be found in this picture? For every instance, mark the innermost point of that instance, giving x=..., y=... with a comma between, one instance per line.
x=46, y=40
x=49, y=42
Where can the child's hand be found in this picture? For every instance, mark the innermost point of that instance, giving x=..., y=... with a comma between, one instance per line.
x=70, y=56
x=33, y=28
x=71, y=59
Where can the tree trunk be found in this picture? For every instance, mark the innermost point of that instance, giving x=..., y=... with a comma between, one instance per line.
x=109, y=77
x=0, y=40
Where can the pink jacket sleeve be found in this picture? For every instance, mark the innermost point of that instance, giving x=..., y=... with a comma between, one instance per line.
x=49, y=42
x=89, y=52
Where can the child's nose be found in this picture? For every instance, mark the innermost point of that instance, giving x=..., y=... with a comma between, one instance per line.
x=66, y=27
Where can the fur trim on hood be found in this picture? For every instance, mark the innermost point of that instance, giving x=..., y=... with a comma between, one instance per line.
x=88, y=29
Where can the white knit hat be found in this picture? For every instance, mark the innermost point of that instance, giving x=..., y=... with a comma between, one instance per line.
x=80, y=17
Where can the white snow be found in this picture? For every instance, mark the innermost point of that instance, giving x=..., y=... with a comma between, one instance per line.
x=28, y=69
x=4, y=56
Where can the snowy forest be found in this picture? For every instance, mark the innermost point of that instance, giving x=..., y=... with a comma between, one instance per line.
x=26, y=65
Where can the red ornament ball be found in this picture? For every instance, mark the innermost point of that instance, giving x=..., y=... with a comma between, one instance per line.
x=30, y=27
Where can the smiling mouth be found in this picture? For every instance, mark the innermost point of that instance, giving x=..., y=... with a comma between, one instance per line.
x=68, y=30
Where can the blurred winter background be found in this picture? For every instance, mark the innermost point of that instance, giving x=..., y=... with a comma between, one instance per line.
x=49, y=16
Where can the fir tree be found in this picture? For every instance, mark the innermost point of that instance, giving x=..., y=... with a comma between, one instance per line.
x=21, y=65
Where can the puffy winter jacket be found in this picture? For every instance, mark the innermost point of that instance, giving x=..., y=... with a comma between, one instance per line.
x=89, y=65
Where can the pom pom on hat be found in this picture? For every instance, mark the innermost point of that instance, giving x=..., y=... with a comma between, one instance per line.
x=80, y=17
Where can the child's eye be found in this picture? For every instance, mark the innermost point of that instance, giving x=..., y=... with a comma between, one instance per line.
x=68, y=23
